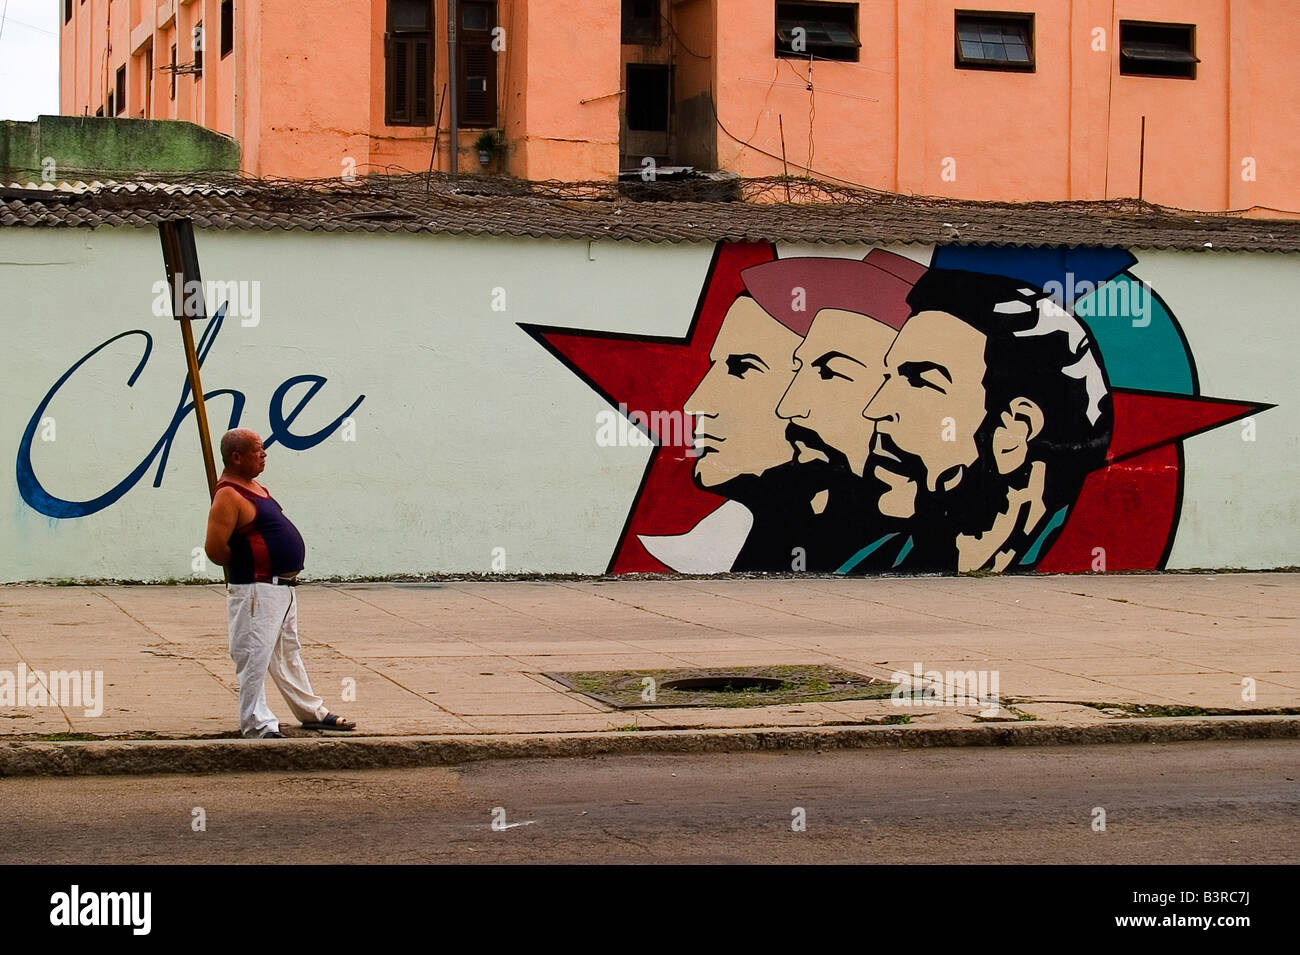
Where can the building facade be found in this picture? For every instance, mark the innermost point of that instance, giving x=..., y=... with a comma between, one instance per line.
x=1190, y=103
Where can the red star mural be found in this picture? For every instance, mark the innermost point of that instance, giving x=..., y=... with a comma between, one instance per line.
x=1127, y=510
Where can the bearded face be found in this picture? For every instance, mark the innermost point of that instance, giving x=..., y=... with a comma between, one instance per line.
x=737, y=434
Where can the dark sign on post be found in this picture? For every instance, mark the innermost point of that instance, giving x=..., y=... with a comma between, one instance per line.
x=181, y=259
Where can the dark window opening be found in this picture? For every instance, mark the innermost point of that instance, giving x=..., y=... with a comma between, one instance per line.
x=198, y=49
x=641, y=21
x=410, y=16
x=172, y=90
x=67, y=10
x=995, y=41
x=227, y=27
x=649, y=88
x=824, y=31
x=120, y=87
x=477, y=66
x=1157, y=49
x=408, y=63
x=100, y=111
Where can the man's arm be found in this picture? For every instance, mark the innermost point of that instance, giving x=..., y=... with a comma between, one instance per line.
x=222, y=520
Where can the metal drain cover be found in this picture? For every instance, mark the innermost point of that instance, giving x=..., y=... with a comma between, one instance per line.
x=717, y=686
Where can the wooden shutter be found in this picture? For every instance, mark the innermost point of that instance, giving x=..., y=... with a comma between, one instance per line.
x=421, y=56
x=408, y=64
x=398, y=80
x=477, y=69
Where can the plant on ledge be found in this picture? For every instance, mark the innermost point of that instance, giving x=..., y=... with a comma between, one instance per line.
x=490, y=142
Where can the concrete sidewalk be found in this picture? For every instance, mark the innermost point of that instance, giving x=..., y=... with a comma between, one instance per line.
x=466, y=657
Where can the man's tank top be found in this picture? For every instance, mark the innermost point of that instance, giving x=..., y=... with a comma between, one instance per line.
x=267, y=546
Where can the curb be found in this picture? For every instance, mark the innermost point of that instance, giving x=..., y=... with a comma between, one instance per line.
x=150, y=757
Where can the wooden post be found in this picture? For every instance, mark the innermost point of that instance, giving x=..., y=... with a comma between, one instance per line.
x=785, y=170
x=1142, y=156
x=181, y=259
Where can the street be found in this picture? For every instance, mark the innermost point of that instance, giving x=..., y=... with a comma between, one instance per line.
x=1235, y=802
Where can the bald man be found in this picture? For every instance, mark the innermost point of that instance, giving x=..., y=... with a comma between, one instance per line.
x=263, y=552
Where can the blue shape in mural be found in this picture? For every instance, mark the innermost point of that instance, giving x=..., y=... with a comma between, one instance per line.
x=1041, y=268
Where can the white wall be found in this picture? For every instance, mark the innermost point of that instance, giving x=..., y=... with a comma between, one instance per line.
x=472, y=436
x=1241, y=315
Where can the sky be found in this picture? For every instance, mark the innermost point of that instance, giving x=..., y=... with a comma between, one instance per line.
x=29, y=58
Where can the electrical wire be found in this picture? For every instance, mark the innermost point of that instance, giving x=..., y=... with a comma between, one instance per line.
x=812, y=172
x=676, y=36
x=812, y=113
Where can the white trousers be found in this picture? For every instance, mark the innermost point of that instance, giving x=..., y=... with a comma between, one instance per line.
x=263, y=621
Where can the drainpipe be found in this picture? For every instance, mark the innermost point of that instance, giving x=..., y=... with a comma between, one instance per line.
x=237, y=101
x=453, y=92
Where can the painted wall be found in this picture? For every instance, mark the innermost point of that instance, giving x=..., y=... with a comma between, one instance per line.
x=454, y=410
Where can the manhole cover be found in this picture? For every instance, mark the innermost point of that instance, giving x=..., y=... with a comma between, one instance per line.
x=741, y=686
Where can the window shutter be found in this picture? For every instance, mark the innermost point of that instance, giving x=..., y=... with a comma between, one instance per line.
x=398, y=80
x=408, y=63
x=421, y=82
x=478, y=78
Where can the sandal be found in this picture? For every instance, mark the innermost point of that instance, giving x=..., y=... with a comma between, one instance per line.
x=330, y=722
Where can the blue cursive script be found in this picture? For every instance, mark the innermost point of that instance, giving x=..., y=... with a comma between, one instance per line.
x=36, y=496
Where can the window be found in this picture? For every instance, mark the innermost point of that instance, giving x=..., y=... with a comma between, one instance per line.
x=198, y=49
x=477, y=64
x=648, y=88
x=641, y=21
x=995, y=41
x=100, y=111
x=148, y=81
x=824, y=31
x=172, y=92
x=227, y=27
x=1157, y=49
x=408, y=63
x=120, y=87
x=67, y=10
x=111, y=110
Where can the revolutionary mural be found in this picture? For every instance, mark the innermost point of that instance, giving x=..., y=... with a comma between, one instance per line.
x=997, y=409
x=851, y=411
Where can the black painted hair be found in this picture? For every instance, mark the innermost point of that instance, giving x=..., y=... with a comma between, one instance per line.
x=1035, y=350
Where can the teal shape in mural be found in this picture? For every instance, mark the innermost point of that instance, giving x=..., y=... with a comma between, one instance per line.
x=1141, y=344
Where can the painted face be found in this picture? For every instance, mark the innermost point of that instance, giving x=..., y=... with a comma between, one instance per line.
x=928, y=410
x=736, y=428
x=839, y=369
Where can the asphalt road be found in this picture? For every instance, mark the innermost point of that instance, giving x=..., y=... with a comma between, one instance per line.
x=1235, y=802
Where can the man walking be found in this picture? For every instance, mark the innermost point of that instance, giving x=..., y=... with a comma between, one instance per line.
x=263, y=552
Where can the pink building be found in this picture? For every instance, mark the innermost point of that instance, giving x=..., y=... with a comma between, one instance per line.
x=1016, y=100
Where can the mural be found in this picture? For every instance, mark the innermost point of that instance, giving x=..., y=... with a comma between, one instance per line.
x=997, y=409
x=766, y=408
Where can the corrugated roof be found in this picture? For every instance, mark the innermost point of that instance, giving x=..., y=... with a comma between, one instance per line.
x=817, y=213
